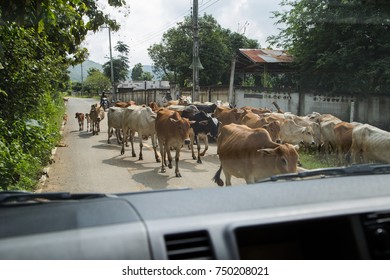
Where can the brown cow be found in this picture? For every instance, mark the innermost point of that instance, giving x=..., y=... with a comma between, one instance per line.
x=80, y=119
x=253, y=120
x=88, y=118
x=172, y=130
x=343, y=140
x=64, y=119
x=154, y=106
x=251, y=154
x=123, y=104
x=96, y=114
x=227, y=116
x=255, y=110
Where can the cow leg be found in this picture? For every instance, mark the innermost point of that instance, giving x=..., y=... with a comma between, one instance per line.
x=228, y=178
x=168, y=151
x=192, y=143
x=124, y=139
x=154, y=144
x=198, y=147
x=109, y=132
x=133, y=154
x=140, y=146
x=118, y=136
x=206, y=145
x=162, y=152
x=177, y=162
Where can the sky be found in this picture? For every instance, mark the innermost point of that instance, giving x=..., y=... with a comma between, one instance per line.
x=143, y=22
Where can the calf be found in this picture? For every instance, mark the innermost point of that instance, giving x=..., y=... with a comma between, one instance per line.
x=80, y=119
x=97, y=115
x=172, y=130
x=88, y=119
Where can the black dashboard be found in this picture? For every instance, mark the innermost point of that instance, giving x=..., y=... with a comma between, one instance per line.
x=326, y=218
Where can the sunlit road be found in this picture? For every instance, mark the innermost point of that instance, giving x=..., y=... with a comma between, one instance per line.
x=88, y=164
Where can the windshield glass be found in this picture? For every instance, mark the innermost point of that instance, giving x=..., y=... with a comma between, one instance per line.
x=114, y=97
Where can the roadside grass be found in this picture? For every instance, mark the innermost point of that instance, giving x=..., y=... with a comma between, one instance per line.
x=314, y=160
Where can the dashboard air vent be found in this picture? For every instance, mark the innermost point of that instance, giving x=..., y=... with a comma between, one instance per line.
x=195, y=245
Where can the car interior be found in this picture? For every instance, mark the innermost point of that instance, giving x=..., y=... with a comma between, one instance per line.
x=304, y=216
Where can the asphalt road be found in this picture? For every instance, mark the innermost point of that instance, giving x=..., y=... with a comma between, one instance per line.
x=87, y=163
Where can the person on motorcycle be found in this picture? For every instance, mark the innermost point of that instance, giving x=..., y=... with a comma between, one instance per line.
x=104, y=101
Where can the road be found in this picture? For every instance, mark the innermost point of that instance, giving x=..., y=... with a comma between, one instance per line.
x=87, y=163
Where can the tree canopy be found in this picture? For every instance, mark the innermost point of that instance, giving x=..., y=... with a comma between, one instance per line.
x=339, y=46
x=120, y=64
x=38, y=41
x=173, y=55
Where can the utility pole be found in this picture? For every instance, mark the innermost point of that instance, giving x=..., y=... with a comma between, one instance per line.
x=195, y=53
x=82, y=79
x=112, y=66
x=111, y=63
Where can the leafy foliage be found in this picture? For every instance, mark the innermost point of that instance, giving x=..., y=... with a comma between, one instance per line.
x=173, y=55
x=339, y=46
x=38, y=41
x=97, y=82
x=138, y=74
x=120, y=64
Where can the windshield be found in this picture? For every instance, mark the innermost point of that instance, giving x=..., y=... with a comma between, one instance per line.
x=212, y=94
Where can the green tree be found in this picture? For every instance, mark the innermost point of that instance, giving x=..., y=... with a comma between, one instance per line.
x=97, y=82
x=147, y=76
x=38, y=41
x=339, y=46
x=173, y=55
x=120, y=64
x=137, y=72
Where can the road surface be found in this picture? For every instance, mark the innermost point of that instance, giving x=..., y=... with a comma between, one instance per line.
x=86, y=163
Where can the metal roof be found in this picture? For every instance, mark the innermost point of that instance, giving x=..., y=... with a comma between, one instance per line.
x=256, y=60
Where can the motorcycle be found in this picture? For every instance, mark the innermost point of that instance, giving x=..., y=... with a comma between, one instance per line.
x=105, y=103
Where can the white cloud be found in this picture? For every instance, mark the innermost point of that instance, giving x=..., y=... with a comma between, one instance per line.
x=146, y=23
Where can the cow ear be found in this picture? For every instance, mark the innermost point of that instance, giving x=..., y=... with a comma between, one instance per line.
x=266, y=152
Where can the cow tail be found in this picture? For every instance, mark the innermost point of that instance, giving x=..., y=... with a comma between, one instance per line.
x=217, y=177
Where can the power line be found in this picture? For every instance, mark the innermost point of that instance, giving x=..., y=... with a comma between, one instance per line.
x=160, y=31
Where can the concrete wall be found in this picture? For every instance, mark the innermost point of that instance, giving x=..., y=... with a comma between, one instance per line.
x=374, y=110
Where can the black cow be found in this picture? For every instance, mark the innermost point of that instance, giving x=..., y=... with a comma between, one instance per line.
x=200, y=129
x=207, y=108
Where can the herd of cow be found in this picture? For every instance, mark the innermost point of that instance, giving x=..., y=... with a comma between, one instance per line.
x=252, y=143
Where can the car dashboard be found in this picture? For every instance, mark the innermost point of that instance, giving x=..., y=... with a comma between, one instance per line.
x=328, y=218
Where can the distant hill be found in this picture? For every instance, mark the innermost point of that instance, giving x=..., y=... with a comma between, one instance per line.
x=75, y=72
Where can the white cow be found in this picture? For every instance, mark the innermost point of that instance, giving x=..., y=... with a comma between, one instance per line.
x=115, y=121
x=142, y=120
x=370, y=144
x=295, y=134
